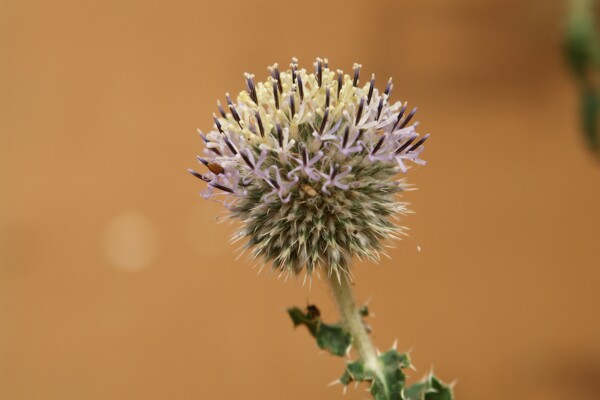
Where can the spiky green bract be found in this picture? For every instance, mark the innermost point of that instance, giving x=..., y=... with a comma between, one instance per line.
x=309, y=164
x=389, y=381
x=312, y=230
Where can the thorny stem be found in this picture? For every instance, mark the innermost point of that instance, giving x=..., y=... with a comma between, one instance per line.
x=352, y=321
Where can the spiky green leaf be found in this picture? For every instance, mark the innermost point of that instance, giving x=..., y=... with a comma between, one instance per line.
x=388, y=382
x=331, y=337
x=430, y=388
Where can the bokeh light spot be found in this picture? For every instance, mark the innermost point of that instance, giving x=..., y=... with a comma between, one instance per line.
x=131, y=241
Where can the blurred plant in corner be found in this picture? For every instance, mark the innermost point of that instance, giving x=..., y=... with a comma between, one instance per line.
x=582, y=49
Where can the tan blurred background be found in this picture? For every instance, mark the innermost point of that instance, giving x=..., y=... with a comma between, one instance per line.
x=118, y=282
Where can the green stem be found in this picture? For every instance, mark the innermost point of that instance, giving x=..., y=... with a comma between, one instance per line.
x=352, y=321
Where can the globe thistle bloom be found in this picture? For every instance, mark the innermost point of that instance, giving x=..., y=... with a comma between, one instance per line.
x=308, y=162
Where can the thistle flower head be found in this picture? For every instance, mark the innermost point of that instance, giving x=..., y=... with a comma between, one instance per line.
x=308, y=162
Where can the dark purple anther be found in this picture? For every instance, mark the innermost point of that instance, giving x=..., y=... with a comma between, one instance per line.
x=276, y=95
x=220, y=187
x=405, y=145
x=279, y=134
x=340, y=76
x=379, y=108
x=206, y=141
x=294, y=69
x=229, y=144
x=378, y=145
x=292, y=105
x=356, y=74
x=400, y=114
x=274, y=183
x=420, y=142
x=388, y=88
x=327, y=97
x=360, y=110
x=300, y=87
x=246, y=160
x=260, y=124
x=251, y=88
x=221, y=110
x=336, y=169
x=213, y=184
x=324, y=122
x=408, y=117
x=197, y=175
x=232, y=109
x=235, y=114
x=319, y=71
x=361, y=132
x=346, y=134
x=217, y=123
x=371, y=86
x=275, y=74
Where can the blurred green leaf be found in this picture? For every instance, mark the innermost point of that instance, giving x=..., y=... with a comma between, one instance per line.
x=590, y=106
x=581, y=40
x=582, y=50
